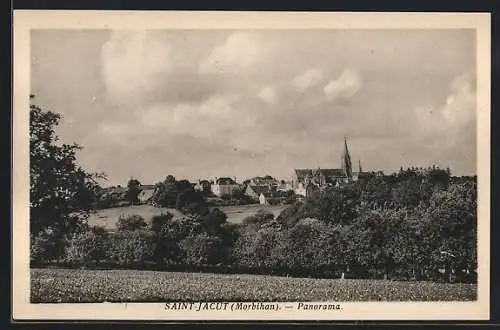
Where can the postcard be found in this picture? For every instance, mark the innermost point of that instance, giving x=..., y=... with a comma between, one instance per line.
x=184, y=166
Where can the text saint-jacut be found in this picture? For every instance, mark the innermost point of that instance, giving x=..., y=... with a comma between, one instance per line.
x=197, y=306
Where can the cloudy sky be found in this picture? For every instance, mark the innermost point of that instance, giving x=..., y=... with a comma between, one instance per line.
x=199, y=104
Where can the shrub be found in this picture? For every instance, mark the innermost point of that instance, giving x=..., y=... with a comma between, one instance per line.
x=131, y=222
x=171, y=233
x=132, y=247
x=213, y=221
x=289, y=216
x=259, y=218
x=158, y=221
x=88, y=246
x=199, y=208
x=47, y=245
x=256, y=249
x=201, y=250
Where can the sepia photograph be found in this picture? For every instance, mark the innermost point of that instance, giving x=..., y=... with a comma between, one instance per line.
x=253, y=169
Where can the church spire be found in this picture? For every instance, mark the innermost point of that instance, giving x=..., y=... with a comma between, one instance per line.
x=346, y=160
x=359, y=164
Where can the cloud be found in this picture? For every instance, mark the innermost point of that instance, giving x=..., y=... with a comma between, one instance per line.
x=113, y=129
x=216, y=117
x=348, y=84
x=460, y=106
x=458, y=111
x=307, y=80
x=240, y=51
x=131, y=62
x=268, y=95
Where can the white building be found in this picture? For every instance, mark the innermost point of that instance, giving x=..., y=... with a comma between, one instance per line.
x=224, y=186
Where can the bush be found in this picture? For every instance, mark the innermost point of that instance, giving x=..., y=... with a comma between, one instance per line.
x=213, y=221
x=289, y=216
x=47, y=245
x=131, y=222
x=158, y=221
x=132, y=247
x=88, y=246
x=259, y=218
x=201, y=250
x=171, y=233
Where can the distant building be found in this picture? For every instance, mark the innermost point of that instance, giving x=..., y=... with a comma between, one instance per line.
x=116, y=192
x=255, y=192
x=147, y=191
x=263, y=199
x=311, y=181
x=203, y=186
x=270, y=198
x=262, y=181
x=224, y=186
x=285, y=185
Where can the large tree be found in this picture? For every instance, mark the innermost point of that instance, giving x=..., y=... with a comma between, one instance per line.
x=133, y=191
x=62, y=193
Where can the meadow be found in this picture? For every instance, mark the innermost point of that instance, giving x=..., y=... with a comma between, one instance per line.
x=79, y=285
x=107, y=218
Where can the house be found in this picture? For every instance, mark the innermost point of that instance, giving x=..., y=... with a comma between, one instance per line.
x=255, y=192
x=319, y=177
x=116, y=193
x=224, y=186
x=266, y=180
x=203, y=186
x=270, y=198
x=147, y=191
x=285, y=185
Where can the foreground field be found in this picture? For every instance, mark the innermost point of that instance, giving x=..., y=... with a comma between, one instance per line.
x=65, y=285
x=107, y=218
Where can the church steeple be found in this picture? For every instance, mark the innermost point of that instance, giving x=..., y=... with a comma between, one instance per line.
x=359, y=164
x=346, y=160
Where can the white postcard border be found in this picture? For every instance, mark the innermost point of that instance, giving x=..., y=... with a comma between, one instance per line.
x=25, y=20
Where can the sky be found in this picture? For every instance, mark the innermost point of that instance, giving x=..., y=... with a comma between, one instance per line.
x=209, y=103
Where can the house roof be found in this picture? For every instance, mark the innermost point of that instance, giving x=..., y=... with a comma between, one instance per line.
x=364, y=174
x=147, y=187
x=260, y=189
x=264, y=179
x=329, y=173
x=225, y=181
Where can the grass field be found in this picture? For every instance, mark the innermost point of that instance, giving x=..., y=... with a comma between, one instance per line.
x=107, y=218
x=236, y=214
x=68, y=285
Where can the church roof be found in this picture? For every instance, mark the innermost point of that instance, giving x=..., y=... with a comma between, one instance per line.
x=327, y=172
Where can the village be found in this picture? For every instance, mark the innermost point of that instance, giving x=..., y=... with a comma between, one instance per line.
x=264, y=190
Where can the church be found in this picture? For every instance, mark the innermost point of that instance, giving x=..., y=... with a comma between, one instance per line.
x=309, y=181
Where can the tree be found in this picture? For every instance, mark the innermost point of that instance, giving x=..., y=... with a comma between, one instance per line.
x=213, y=221
x=62, y=193
x=201, y=249
x=133, y=191
x=131, y=223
